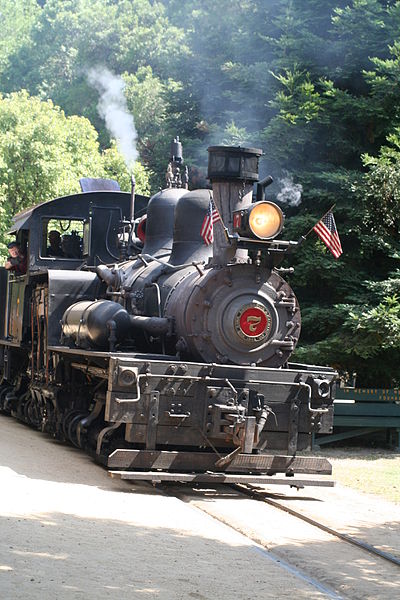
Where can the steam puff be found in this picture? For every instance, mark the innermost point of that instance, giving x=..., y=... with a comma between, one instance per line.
x=113, y=109
x=290, y=192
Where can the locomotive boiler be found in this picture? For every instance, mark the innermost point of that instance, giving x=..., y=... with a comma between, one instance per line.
x=167, y=359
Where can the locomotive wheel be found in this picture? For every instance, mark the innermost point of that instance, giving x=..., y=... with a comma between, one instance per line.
x=26, y=411
x=72, y=429
x=71, y=414
x=9, y=403
x=3, y=393
x=19, y=410
x=32, y=413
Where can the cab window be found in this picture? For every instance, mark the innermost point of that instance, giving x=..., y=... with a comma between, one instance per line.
x=62, y=238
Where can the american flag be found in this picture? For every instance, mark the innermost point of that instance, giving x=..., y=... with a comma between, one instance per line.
x=327, y=232
x=211, y=217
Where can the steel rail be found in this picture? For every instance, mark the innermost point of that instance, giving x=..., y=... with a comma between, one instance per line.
x=258, y=547
x=248, y=490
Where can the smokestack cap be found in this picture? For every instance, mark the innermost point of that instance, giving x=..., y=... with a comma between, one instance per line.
x=233, y=163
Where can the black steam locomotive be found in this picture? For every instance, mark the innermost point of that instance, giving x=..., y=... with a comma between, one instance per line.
x=166, y=358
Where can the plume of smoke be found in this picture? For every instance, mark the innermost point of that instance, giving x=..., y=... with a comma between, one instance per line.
x=113, y=109
x=290, y=192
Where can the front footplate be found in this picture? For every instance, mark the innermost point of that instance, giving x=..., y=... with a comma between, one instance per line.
x=192, y=467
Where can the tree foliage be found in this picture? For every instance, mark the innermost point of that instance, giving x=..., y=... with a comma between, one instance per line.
x=315, y=84
x=44, y=153
x=17, y=18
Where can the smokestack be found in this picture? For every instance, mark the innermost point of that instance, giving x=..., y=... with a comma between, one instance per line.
x=232, y=172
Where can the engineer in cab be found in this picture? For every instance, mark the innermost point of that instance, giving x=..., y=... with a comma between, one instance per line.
x=16, y=261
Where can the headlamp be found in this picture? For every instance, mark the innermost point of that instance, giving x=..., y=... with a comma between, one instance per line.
x=263, y=220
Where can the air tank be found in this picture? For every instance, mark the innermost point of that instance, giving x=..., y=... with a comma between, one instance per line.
x=96, y=324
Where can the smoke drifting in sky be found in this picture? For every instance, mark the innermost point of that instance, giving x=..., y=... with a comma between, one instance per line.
x=113, y=109
x=290, y=192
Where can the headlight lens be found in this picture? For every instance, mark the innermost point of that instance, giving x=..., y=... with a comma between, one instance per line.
x=265, y=220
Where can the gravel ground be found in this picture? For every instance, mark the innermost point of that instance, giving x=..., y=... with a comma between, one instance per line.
x=69, y=531
x=351, y=572
x=371, y=470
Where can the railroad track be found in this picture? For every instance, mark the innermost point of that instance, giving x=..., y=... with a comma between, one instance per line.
x=291, y=568
x=329, y=582
x=262, y=495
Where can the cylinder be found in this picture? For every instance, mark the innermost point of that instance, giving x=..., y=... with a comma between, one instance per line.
x=89, y=323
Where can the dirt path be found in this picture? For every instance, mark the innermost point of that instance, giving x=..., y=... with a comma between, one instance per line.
x=350, y=571
x=68, y=531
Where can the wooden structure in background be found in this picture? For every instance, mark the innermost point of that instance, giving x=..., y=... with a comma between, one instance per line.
x=360, y=411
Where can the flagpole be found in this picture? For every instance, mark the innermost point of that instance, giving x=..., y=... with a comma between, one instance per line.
x=312, y=228
x=225, y=229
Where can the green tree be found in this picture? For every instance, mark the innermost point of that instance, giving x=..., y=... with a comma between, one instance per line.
x=315, y=84
x=71, y=36
x=161, y=111
x=381, y=191
x=17, y=18
x=325, y=120
x=44, y=153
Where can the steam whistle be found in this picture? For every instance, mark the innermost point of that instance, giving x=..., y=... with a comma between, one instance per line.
x=176, y=176
x=132, y=206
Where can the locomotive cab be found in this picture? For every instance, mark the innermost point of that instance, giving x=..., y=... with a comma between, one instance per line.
x=66, y=234
x=87, y=226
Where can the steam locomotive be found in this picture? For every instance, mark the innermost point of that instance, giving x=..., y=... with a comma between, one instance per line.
x=165, y=356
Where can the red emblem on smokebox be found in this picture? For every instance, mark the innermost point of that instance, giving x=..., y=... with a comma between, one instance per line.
x=253, y=323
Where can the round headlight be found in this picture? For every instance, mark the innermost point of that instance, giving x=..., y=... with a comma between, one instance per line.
x=265, y=220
